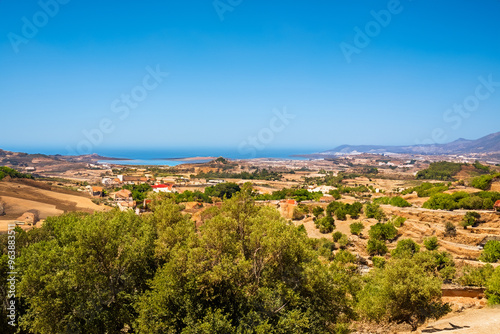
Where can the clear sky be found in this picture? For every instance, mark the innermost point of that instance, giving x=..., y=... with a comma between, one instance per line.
x=345, y=71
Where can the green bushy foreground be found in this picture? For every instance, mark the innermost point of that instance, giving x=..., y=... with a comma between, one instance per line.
x=245, y=270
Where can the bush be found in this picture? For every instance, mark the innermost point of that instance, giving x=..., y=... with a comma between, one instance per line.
x=450, y=229
x=373, y=210
x=317, y=211
x=343, y=241
x=483, y=182
x=383, y=231
x=427, y=189
x=335, y=193
x=440, y=264
x=378, y=262
x=344, y=256
x=325, y=224
x=493, y=288
x=376, y=247
x=398, y=221
x=356, y=228
x=405, y=248
x=491, y=252
x=394, y=201
x=463, y=200
x=337, y=235
x=402, y=292
x=431, y=243
x=471, y=218
x=475, y=276
x=341, y=214
x=300, y=212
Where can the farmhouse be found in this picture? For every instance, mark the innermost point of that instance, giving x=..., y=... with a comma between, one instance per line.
x=123, y=195
x=164, y=188
x=29, y=217
x=95, y=191
x=497, y=205
x=132, y=179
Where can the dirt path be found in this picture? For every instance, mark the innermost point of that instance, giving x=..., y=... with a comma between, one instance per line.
x=473, y=321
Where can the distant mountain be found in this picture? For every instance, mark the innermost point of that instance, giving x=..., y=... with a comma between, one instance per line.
x=488, y=144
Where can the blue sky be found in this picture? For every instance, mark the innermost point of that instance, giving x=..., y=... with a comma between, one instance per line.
x=227, y=78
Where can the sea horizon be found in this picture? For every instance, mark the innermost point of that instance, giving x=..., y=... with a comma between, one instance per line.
x=173, y=157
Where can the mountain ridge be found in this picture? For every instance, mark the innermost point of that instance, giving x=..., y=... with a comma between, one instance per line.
x=487, y=144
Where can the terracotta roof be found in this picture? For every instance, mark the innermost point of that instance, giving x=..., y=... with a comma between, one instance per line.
x=124, y=193
x=497, y=204
x=97, y=189
x=158, y=186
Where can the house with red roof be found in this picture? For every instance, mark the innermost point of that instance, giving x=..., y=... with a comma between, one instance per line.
x=164, y=188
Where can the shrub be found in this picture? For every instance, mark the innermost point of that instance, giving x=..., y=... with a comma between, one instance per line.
x=300, y=212
x=378, y=262
x=373, y=210
x=356, y=228
x=491, y=252
x=343, y=241
x=398, y=221
x=394, y=201
x=376, y=247
x=475, y=276
x=337, y=235
x=326, y=248
x=427, y=189
x=383, y=231
x=440, y=202
x=493, y=288
x=431, y=243
x=439, y=263
x=325, y=224
x=402, y=292
x=344, y=256
x=335, y=193
x=317, y=211
x=471, y=218
x=450, y=229
x=405, y=248
x=341, y=214
x=483, y=182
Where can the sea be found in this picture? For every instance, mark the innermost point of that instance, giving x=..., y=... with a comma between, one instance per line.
x=180, y=156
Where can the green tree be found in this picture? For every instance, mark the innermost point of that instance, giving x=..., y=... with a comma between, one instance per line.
x=245, y=271
x=356, y=228
x=471, y=218
x=325, y=224
x=223, y=190
x=85, y=278
x=493, y=287
x=405, y=248
x=317, y=211
x=450, y=229
x=402, y=292
x=491, y=252
x=431, y=243
x=376, y=247
x=373, y=210
x=383, y=231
